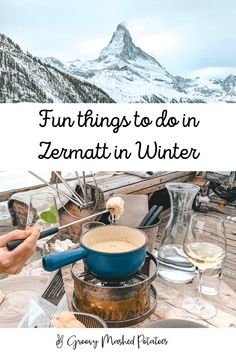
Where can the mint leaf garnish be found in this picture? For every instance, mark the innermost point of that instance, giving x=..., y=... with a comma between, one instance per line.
x=49, y=217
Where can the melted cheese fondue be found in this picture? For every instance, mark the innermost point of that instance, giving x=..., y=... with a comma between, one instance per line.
x=113, y=246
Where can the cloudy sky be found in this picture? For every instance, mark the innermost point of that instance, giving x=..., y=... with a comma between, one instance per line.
x=186, y=36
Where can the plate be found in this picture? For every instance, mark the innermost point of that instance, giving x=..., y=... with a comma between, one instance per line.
x=174, y=323
x=17, y=291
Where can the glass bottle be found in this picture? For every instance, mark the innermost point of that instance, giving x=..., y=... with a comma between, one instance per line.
x=173, y=263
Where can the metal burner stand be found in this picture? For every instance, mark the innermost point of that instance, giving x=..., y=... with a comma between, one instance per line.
x=121, y=304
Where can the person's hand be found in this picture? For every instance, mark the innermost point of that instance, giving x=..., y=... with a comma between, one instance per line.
x=12, y=262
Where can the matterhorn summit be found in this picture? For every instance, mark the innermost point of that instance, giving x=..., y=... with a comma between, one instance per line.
x=122, y=47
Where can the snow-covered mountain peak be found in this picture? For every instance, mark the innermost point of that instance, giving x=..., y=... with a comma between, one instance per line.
x=122, y=27
x=121, y=46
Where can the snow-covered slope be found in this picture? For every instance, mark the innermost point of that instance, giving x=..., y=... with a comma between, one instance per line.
x=24, y=78
x=128, y=74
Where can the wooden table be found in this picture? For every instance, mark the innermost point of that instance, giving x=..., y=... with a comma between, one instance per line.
x=170, y=297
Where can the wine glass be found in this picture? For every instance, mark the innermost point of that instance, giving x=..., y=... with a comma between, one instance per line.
x=43, y=212
x=90, y=225
x=205, y=247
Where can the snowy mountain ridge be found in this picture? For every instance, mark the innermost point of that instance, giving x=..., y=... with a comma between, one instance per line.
x=128, y=74
x=25, y=78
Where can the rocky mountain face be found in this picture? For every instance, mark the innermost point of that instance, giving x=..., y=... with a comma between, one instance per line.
x=229, y=85
x=128, y=74
x=25, y=78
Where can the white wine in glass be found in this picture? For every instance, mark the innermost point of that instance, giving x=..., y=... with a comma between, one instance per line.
x=205, y=247
x=204, y=254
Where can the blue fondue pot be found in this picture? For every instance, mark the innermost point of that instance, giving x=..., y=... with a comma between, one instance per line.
x=105, y=265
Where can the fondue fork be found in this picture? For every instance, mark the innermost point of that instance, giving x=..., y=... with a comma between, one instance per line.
x=78, y=203
x=53, y=230
x=69, y=187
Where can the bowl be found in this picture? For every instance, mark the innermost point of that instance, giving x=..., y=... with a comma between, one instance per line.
x=174, y=323
x=90, y=321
